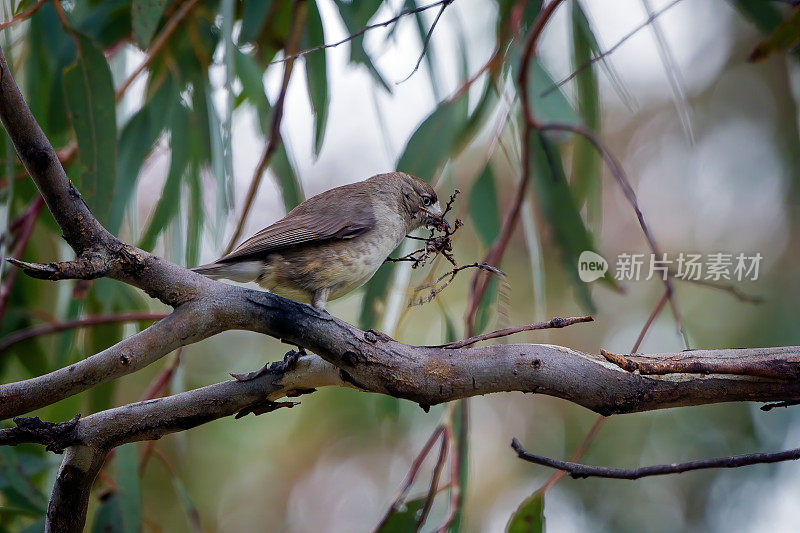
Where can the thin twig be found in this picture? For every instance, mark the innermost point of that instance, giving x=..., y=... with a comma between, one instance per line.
x=416, y=464
x=55, y=327
x=435, y=288
x=298, y=18
x=455, y=463
x=611, y=50
x=24, y=235
x=556, y=322
x=650, y=319
x=580, y=471
x=24, y=15
x=619, y=175
x=495, y=254
x=361, y=32
x=427, y=41
x=578, y=453
x=437, y=472
x=730, y=288
x=156, y=46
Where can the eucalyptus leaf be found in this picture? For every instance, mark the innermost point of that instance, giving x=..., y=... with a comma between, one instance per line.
x=128, y=489
x=559, y=209
x=405, y=519
x=316, y=74
x=145, y=15
x=435, y=140
x=89, y=92
x=482, y=207
x=169, y=202
x=585, y=159
x=529, y=516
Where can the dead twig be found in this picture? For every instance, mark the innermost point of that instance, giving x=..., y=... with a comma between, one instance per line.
x=55, y=327
x=434, y=244
x=581, y=471
x=362, y=31
x=436, y=288
x=556, y=322
x=427, y=41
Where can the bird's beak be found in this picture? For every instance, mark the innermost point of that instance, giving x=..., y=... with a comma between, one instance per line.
x=434, y=217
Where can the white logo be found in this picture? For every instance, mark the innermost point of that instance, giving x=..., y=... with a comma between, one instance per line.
x=591, y=266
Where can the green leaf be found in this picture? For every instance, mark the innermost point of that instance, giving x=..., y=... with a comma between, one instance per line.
x=281, y=165
x=403, y=520
x=461, y=419
x=252, y=79
x=196, y=216
x=145, y=15
x=764, y=15
x=585, y=159
x=435, y=140
x=89, y=93
x=128, y=490
x=108, y=518
x=529, y=516
x=559, y=209
x=375, y=291
x=135, y=143
x=170, y=200
x=288, y=182
x=554, y=107
x=785, y=36
x=484, y=311
x=316, y=74
x=50, y=50
x=356, y=15
x=254, y=15
x=482, y=207
x=17, y=488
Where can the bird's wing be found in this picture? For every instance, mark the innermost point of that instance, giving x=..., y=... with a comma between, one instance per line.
x=306, y=226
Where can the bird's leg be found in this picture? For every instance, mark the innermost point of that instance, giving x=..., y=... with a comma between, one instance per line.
x=319, y=298
x=277, y=367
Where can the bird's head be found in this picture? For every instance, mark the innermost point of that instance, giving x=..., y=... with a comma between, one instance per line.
x=418, y=201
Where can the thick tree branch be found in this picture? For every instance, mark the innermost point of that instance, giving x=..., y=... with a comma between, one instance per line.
x=66, y=511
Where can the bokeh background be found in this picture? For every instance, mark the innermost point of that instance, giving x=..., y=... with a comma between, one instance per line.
x=714, y=164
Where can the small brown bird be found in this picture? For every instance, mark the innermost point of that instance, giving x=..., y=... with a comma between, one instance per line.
x=334, y=242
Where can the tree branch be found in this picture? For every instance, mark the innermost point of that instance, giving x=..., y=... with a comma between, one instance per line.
x=48, y=329
x=362, y=31
x=580, y=471
x=69, y=500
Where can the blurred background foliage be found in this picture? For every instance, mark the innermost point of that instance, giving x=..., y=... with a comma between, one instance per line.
x=161, y=110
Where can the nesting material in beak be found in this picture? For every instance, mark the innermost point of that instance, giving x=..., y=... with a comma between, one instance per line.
x=434, y=217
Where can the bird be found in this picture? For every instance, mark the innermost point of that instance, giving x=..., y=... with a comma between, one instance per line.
x=334, y=242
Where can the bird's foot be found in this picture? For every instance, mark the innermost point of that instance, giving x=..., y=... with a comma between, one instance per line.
x=277, y=367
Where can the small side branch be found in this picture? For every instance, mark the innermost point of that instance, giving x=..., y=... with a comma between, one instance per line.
x=47, y=329
x=581, y=471
x=772, y=363
x=91, y=266
x=555, y=322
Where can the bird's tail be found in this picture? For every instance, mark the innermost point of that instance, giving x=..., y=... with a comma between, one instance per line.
x=241, y=271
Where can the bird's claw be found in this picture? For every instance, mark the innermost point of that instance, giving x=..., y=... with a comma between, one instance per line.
x=278, y=367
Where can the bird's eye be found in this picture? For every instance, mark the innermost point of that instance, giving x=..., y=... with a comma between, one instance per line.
x=426, y=200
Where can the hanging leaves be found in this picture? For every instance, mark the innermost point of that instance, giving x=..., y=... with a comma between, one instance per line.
x=89, y=95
